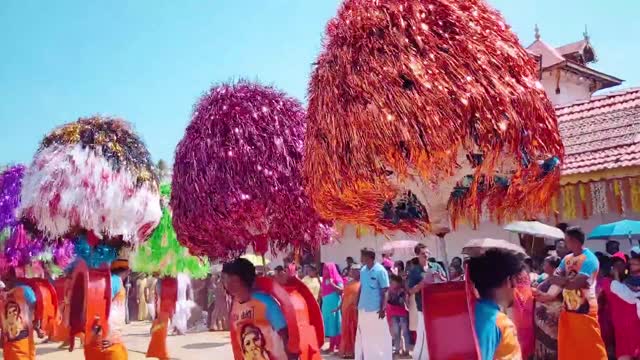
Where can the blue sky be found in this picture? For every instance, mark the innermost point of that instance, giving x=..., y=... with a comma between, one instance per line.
x=149, y=61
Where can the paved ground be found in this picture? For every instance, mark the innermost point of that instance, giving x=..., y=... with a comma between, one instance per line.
x=193, y=346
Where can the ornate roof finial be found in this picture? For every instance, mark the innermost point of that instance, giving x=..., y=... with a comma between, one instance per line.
x=586, y=33
x=537, y=32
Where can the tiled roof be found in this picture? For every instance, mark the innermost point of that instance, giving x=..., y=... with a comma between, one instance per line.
x=550, y=56
x=602, y=133
x=572, y=48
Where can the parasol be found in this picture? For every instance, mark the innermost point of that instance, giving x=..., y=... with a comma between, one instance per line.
x=256, y=260
x=623, y=229
x=535, y=228
x=400, y=248
x=422, y=111
x=477, y=247
x=162, y=254
x=94, y=174
x=236, y=178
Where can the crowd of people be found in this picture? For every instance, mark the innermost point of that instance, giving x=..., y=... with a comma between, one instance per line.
x=571, y=304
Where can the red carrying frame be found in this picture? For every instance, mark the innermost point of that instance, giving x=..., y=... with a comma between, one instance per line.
x=308, y=318
x=46, y=308
x=90, y=298
x=448, y=318
x=166, y=302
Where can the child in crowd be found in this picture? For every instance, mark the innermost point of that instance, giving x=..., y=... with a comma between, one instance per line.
x=493, y=275
x=398, y=314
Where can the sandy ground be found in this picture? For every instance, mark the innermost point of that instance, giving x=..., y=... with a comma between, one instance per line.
x=193, y=346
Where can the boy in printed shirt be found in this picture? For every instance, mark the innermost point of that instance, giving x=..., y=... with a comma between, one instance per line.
x=492, y=274
x=256, y=318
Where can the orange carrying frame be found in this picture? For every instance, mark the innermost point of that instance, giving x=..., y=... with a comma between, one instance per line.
x=308, y=319
x=46, y=308
x=90, y=300
x=448, y=309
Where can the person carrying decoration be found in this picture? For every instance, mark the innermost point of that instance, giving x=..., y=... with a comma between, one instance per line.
x=373, y=338
x=17, y=332
x=493, y=275
x=107, y=344
x=578, y=330
x=258, y=326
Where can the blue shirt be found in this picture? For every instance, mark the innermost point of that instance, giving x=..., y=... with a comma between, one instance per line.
x=371, y=282
x=29, y=294
x=273, y=313
x=495, y=332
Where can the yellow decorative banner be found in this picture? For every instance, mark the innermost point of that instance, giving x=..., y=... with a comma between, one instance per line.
x=568, y=202
x=634, y=184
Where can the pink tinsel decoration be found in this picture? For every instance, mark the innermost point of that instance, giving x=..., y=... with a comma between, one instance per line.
x=236, y=179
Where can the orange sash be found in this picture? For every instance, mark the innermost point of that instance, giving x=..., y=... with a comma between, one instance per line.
x=579, y=337
x=19, y=350
x=158, y=344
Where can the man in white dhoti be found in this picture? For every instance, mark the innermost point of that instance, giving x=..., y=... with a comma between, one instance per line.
x=183, y=305
x=373, y=338
x=418, y=277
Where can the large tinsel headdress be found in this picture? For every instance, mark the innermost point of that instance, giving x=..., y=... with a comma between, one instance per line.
x=162, y=254
x=422, y=107
x=94, y=174
x=236, y=177
x=10, y=186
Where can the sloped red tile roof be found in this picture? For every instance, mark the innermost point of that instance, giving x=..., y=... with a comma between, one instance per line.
x=572, y=48
x=602, y=133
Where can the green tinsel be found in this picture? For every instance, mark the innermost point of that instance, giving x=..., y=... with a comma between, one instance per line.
x=163, y=254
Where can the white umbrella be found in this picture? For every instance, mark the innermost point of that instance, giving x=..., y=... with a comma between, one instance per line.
x=477, y=247
x=535, y=228
x=399, y=248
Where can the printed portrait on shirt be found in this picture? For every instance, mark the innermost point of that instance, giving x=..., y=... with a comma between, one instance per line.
x=254, y=344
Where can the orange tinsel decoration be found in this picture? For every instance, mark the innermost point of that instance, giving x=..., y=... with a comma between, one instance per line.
x=409, y=91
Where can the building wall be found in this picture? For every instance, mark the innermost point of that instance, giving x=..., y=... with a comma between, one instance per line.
x=349, y=245
x=572, y=87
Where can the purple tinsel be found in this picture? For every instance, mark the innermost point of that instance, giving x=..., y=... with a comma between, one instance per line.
x=10, y=186
x=19, y=249
x=63, y=253
x=236, y=179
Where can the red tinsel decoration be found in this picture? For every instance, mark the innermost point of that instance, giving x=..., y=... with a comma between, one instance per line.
x=402, y=87
x=236, y=178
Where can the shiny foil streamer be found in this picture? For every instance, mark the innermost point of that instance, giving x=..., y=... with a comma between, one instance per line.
x=94, y=174
x=401, y=88
x=236, y=177
x=10, y=186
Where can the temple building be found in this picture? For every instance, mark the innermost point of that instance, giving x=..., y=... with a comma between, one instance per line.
x=600, y=181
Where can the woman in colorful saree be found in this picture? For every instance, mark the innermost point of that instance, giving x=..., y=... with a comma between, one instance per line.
x=623, y=299
x=350, y=314
x=547, y=312
x=332, y=286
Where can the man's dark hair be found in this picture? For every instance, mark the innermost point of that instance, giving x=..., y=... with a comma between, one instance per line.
x=279, y=268
x=241, y=268
x=576, y=233
x=350, y=259
x=611, y=243
x=368, y=252
x=562, y=226
x=418, y=248
x=396, y=278
x=399, y=265
x=490, y=270
x=553, y=260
